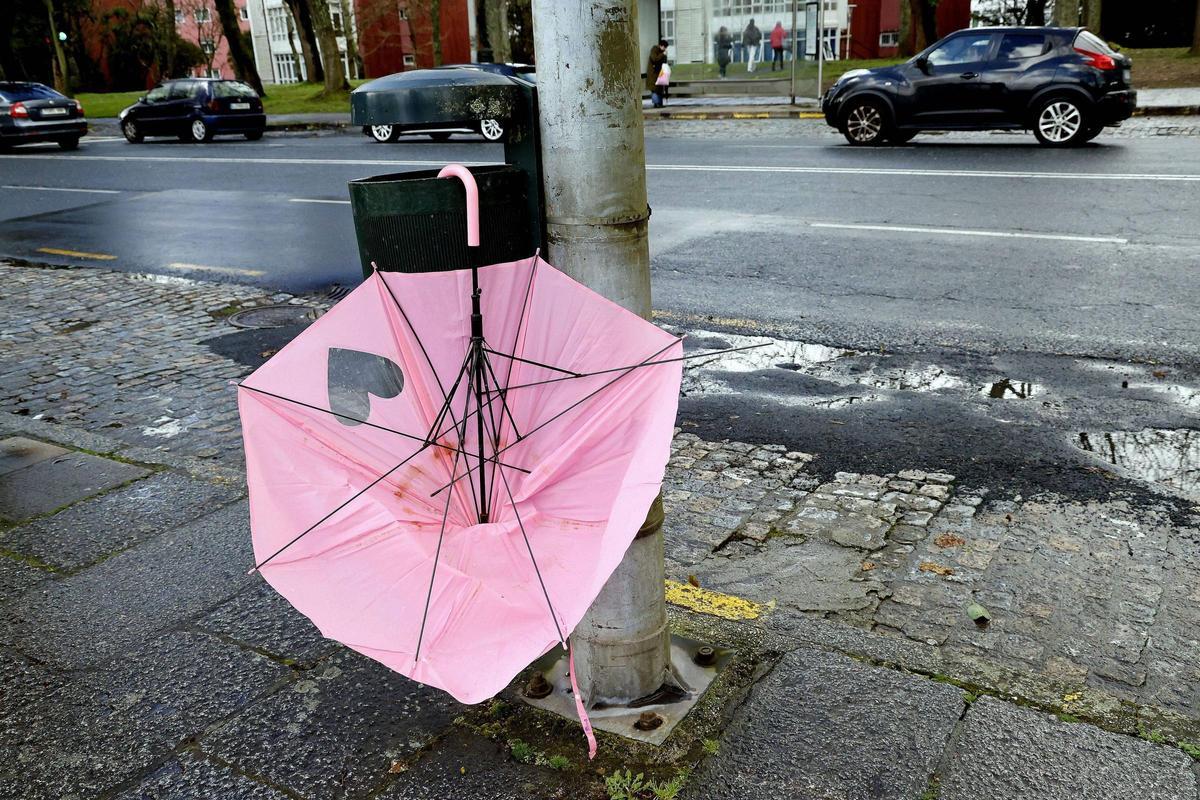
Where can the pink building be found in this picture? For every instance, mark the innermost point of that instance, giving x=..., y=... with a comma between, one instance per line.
x=197, y=22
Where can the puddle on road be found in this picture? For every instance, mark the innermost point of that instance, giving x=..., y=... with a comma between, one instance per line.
x=1008, y=389
x=1168, y=457
x=839, y=366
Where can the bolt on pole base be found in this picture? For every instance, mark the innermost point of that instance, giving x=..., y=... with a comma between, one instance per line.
x=693, y=668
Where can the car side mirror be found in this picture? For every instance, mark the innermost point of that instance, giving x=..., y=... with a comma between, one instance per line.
x=142, y=99
x=922, y=64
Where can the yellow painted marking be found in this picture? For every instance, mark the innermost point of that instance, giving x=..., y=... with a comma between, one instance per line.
x=717, y=604
x=181, y=265
x=54, y=251
x=811, y=115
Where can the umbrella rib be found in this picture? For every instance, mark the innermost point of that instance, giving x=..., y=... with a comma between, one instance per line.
x=495, y=430
x=572, y=373
x=438, y=552
x=426, y=442
x=504, y=409
x=639, y=366
x=521, y=318
x=529, y=548
x=586, y=397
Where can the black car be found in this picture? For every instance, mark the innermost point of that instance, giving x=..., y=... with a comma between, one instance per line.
x=32, y=112
x=491, y=129
x=1063, y=83
x=195, y=110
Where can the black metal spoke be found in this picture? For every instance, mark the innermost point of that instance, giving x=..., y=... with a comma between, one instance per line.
x=572, y=373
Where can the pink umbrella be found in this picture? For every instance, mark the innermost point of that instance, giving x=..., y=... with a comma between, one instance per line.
x=446, y=467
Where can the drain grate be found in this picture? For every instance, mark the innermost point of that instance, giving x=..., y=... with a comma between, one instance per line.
x=273, y=316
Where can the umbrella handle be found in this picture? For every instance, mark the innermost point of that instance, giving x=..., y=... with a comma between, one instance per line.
x=464, y=175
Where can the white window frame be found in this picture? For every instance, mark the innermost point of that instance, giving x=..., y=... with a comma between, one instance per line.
x=202, y=15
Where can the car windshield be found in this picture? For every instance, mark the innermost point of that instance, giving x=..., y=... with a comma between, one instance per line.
x=962, y=50
x=232, y=89
x=1092, y=43
x=28, y=91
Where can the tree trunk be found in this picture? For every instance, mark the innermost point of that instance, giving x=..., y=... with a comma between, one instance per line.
x=61, y=75
x=920, y=21
x=169, y=44
x=497, y=30
x=1196, y=32
x=1035, y=12
x=296, y=59
x=351, y=32
x=1066, y=13
x=308, y=41
x=905, y=47
x=331, y=57
x=1091, y=16
x=435, y=21
x=243, y=59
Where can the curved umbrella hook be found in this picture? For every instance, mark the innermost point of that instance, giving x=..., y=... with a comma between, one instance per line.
x=464, y=175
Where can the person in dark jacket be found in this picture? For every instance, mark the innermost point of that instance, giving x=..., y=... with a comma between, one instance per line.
x=751, y=39
x=724, y=45
x=658, y=57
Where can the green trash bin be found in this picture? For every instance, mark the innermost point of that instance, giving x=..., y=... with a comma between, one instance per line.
x=417, y=222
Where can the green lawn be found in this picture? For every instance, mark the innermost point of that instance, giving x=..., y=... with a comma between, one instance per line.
x=292, y=98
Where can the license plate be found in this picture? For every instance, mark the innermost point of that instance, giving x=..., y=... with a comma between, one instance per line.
x=240, y=106
x=1126, y=74
x=54, y=112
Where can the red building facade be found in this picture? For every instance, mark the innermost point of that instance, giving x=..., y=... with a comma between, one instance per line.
x=875, y=25
x=395, y=35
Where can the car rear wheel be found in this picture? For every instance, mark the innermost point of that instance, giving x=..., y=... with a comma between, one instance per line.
x=131, y=132
x=491, y=129
x=1061, y=122
x=197, y=132
x=385, y=133
x=865, y=122
x=253, y=136
x=69, y=143
x=1092, y=132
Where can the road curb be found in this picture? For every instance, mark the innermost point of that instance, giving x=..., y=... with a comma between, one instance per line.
x=1166, y=111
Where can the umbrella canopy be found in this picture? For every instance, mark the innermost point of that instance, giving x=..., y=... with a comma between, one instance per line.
x=450, y=504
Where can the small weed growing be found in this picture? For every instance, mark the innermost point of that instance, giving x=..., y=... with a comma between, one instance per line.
x=627, y=786
x=1191, y=748
x=558, y=762
x=521, y=751
x=711, y=746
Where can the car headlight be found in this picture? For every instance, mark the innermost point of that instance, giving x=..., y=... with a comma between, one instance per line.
x=122, y=113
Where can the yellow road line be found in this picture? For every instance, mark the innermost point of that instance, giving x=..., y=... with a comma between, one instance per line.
x=55, y=251
x=706, y=601
x=181, y=265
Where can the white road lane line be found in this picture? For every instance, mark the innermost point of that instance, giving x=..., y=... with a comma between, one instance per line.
x=775, y=169
x=969, y=232
x=181, y=265
x=316, y=200
x=60, y=189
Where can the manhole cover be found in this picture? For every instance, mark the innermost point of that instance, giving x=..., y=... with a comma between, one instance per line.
x=273, y=317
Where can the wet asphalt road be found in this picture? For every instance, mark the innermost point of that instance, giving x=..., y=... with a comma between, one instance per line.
x=977, y=257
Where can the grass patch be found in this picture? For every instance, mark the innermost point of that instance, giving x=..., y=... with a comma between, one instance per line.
x=1191, y=748
x=1163, y=67
x=627, y=786
x=290, y=98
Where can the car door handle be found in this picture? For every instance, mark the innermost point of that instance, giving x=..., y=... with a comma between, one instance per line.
x=967, y=76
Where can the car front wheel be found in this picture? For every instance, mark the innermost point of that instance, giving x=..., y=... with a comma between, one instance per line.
x=197, y=132
x=1061, y=123
x=132, y=133
x=865, y=123
x=491, y=129
x=385, y=133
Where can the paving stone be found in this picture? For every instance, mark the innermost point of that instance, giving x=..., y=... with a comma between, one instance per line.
x=103, y=727
x=189, y=777
x=466, y=767
x=336, y=732
x=1011, y=753
x=103, y=611
x=18, y=577
x=89, y=531
x=17, y=452
x=852, y=732
x=857, y=530
x=261, y=618
x=54, y=482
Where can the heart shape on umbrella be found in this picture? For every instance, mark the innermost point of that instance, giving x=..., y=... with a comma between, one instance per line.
x=354, y=376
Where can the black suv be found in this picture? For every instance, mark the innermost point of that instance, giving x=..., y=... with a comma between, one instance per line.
x=195, y=110
x=1063, y=83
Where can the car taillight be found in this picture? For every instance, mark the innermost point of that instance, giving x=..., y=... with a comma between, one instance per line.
x=19, y=110
x=1097, y=60
x=79, y=108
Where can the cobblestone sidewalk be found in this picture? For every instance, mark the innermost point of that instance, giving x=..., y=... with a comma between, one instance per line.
x=137, y=659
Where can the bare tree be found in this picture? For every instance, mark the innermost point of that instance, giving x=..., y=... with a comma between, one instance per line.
x=1066, y=13
x=291, y=37
x=209, y=32
x=350, y=31
x=918, y=23
x=331, y=57
x=1011, y=12
x=62, y=74
x=169, y=50
x=1091, y=15
x=239, y=50
x=308, y=40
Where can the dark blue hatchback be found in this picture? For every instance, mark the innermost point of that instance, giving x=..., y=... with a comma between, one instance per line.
x=195, y=110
